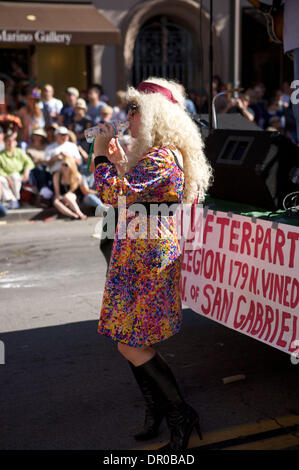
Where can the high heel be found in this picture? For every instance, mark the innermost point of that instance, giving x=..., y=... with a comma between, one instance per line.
x=181, y=422
x=180, y=417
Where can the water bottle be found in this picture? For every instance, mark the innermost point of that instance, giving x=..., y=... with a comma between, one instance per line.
x=92, y=132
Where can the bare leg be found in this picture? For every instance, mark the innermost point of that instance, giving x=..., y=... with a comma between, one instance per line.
x=138, y=355
x=70, y=200
x=64, y=210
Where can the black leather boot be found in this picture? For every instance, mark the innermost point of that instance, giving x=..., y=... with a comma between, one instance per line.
x=180, y=416
x=154, y=412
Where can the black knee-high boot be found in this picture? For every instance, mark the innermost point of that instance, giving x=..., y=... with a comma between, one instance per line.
x=154, y=412
x=180, y=416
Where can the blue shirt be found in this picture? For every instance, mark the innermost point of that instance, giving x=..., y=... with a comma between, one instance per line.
x=68, y=114
x=94, y=112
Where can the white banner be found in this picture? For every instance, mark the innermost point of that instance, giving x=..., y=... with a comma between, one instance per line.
x=243, y=273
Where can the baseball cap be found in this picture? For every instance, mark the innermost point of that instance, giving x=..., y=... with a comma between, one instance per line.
x=61, y=130
x=106, y=110
x=72, y=90
x=81, y=103
x=40, y=132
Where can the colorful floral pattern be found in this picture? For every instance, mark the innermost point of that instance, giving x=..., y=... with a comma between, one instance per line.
x=141, y=302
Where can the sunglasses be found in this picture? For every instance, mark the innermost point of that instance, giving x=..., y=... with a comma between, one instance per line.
x=133, y=108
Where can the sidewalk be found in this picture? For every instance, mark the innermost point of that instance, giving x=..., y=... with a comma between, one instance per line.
x=31, y=213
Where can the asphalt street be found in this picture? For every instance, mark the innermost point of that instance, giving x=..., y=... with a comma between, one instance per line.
x=65, y=386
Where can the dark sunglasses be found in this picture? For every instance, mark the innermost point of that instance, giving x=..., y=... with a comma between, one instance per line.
x=133, y=108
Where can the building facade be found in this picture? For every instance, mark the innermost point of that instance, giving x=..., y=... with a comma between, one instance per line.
x=116, y=42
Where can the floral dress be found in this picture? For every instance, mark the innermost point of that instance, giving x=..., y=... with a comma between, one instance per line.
x=141, y=303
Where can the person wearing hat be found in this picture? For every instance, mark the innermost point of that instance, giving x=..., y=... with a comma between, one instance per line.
x=37, y=146
x=61, y=145
x=106, y=114
x=51, y=132
x=36, y=150
x=80, y=123
x=67, y=112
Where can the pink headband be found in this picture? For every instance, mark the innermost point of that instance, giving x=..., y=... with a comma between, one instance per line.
x=149, y=87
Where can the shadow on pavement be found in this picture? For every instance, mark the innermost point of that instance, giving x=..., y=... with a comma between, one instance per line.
x=67, y=387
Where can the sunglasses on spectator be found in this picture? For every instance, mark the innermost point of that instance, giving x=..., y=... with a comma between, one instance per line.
x=133, y=108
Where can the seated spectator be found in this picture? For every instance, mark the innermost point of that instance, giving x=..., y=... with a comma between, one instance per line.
x=286, y=93
x=190, y=106
x=66, y=182
x=67, y=112
x=106, y=114
x=36, y=150
x=273, y=109
x=94, y=106
x=80, y=123
x=50, y=105
x=218, y=84
x=278, y=96
x=201, y=102
x=2, y=144
x=31, y=116
x=61, y=145
x=51, y=132
x=275, y=124
x=241, y=105
x=90, y=194
x=15, y=168
x=260, y=90
x=120, y=110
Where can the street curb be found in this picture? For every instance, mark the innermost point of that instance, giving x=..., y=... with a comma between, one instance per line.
x=35, y=214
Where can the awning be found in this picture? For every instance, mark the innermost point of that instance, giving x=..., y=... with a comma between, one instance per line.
x=36, y=23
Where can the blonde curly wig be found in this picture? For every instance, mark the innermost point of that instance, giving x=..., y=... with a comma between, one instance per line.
x=167, y=123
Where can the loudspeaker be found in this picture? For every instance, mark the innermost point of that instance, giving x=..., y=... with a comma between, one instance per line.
x=253, y=167
x=233, y=121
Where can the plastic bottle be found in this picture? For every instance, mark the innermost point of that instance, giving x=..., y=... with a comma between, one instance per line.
x=92, y=132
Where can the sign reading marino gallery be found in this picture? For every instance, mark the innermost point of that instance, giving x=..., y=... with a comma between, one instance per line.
x=35, y=37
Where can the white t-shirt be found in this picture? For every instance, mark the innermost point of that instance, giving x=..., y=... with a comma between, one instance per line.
x=54, y=104
x=54, y=149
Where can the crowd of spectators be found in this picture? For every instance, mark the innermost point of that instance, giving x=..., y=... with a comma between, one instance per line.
x=42, y=143
x=47, y=152
x=271, y=112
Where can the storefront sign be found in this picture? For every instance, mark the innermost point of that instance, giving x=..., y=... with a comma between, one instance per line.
x=37, y=37
x=244, y=274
